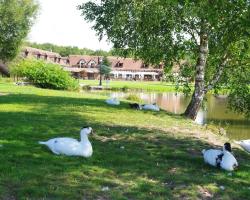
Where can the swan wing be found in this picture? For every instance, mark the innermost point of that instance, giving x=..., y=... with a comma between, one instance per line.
x=228, y=162
x=211, y=156
x=67, y=146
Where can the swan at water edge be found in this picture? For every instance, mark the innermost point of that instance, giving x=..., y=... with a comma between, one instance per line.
x=113, y=101
x=245, y=144
x=153, y=107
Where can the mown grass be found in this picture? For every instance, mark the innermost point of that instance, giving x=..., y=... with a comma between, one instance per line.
x=137, y=154
x=155, y=86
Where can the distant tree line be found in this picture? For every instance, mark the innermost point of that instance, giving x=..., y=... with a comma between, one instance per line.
x=71, y=50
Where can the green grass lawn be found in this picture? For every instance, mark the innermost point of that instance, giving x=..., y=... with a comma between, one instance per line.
x=134, y=85
x=161, y=158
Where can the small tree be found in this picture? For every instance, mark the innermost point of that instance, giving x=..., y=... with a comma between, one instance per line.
x=105, y=69
x=16, y=18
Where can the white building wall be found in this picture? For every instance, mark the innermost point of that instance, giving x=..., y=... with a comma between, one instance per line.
x=131, y=74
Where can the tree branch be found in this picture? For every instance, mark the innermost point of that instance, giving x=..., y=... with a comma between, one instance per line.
x=217, y=76
x=193, y=37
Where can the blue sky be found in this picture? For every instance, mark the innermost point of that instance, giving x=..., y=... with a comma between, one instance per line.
x=59, y=22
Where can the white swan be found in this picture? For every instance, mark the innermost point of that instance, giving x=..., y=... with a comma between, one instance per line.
x=113, y=101
x=153, y=107
x=218, y=158
x=70, y=146
x=245, y=144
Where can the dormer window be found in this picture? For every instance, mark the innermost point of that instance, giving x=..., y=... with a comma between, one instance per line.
x=38, y=56
x=144, y=65
x=82, y=63
x=119, y=64
x=92, y=64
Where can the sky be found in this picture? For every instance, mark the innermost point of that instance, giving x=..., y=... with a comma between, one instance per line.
x=60, y=23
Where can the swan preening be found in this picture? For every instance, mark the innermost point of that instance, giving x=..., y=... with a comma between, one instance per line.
x=71, y=147
x=153, y=107
x=113, y=101
x=245, y=144
x=221, y=158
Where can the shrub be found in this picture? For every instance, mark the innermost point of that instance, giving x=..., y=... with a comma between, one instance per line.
x=45, y=75
x=125, y=88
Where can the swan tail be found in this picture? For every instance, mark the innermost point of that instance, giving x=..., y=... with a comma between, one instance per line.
x=41, y=142
x=203, y=151
x=237, y=142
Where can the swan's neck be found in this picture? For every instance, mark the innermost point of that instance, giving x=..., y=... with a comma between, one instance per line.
x=84, y=138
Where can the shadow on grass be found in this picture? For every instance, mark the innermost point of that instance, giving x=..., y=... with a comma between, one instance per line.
x=134, y=163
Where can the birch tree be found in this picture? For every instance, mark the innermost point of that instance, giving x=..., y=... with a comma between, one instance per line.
x=213, y=33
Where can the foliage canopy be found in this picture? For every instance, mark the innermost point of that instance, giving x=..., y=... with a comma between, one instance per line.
x=214, y=35
x=16, y=18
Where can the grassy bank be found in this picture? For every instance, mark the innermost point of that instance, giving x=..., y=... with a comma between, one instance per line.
x=137, y=154
x=151, y=86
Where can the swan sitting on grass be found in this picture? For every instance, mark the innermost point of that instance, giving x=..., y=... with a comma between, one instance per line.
x=223, y=159
x=153, y=107
x=113, y=101
x=70, y=146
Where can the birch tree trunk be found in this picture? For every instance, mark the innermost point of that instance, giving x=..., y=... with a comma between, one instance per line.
x=199, y=92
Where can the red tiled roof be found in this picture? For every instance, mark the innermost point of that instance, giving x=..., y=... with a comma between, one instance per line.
x=128, y=64
x=41, y=52
x=75, y=59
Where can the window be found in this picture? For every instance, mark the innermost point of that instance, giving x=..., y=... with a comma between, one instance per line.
x=119, y=64
x=144, y=65
x=92, y=64
x=82, y=63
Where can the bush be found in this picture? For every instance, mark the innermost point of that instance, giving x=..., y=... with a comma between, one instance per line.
x=44, y=74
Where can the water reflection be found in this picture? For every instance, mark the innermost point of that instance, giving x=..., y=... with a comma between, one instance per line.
x=215, y=111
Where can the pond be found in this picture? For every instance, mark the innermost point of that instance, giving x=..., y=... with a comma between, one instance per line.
x=214, y=111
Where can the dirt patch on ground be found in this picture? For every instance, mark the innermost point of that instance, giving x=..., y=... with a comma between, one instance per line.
x=205, y=193
x=3, y=94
